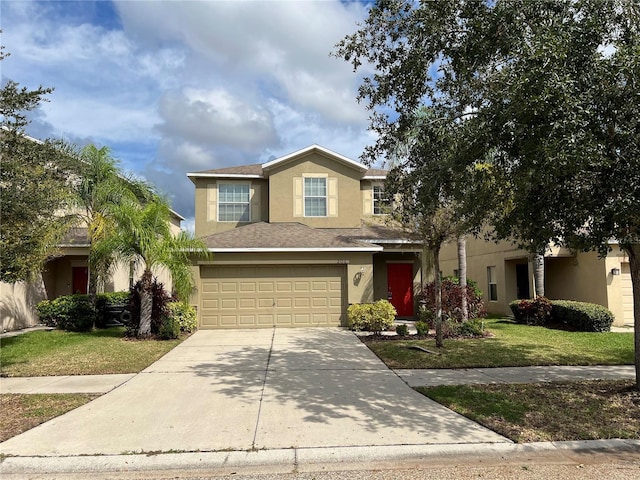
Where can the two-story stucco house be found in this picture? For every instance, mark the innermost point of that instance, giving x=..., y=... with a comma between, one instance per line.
x=295, y=241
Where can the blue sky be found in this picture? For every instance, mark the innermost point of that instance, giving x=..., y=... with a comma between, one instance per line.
x=180, y=86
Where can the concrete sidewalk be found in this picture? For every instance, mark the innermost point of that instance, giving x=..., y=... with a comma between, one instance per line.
x=413, y=377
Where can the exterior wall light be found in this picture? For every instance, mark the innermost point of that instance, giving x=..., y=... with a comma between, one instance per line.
x=615, y=271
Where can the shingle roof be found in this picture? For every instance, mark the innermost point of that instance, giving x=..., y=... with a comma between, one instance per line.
x=77, y=237
x=253, y=169
x=373, y=233
x=283, y=236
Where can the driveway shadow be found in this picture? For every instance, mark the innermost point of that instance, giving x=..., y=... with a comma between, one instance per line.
x=323, y=387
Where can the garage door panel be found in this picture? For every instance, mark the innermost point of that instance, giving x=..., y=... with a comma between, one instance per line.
x=228, y=287
x=247, y=303
x=228, y=304
x=263, y=296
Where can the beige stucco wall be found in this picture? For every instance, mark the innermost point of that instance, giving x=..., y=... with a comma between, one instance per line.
x=583, y=277
x=18, y=301
x=482, y=254
x=281, y=191
x=206, y=221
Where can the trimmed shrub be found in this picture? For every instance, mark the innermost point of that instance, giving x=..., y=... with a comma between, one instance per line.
x=585, y=317
x=422, y=328
x=170, y=328
x=402, y=330
x=185, y=315
x=532, y=312
x=371, y=317
x=452, y=299
x=471, y=328
x=105, y=300
x=73, y=313
x=158, y=310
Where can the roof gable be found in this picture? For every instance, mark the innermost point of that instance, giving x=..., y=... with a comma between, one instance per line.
x=314, y=149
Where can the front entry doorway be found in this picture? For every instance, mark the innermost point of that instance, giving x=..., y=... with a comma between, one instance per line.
x=522, y=280
x=400, y=287
x=79, y=279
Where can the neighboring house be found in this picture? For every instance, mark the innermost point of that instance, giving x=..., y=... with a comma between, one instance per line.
x=505, y=273
x=295, y=241
x=65, y=274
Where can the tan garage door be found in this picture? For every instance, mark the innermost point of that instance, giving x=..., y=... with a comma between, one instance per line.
x=627, y=293
x=264, y=296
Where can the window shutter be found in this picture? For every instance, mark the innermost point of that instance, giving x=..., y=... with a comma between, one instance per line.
x=255, y=203
x=298, y=208
x=332, y=197
x=367, y=201
x=212, y=202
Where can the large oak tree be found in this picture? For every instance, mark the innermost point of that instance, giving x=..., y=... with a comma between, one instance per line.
x=552, y=90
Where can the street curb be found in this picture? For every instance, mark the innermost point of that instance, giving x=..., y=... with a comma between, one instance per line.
x=311, y=459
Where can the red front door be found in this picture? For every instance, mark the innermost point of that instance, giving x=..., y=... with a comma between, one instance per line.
x=79, y=276
x=400, y=287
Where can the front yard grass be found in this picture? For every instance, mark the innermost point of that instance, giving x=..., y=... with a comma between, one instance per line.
x=586, y=410
x=56, y=352
x=512, y=345
x=19, y=413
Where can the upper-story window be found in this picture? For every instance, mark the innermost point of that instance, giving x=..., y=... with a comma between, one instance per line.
x=315, y=197
x=234, y=202
x=380, y=204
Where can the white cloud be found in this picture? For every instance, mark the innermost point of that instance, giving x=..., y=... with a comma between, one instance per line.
x=216, y=116
x=174, y=87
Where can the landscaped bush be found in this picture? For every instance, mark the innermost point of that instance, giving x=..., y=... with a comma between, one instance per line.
x=585, y=317
x=185, y=315
x=422, y=328
x=105, y=300
x=471, y=328
x=402, y=330
x=451, y=293
x=159, y=309
x=531, y=312
x=170, y=328
x=371, y=317
x=70, y=312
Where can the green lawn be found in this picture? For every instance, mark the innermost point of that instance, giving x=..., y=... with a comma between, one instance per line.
x=71, y=353
x=587, y=410
x=511, y=345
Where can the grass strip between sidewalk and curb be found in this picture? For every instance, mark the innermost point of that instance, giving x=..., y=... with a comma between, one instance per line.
x=19, y=413
x=56, y=352
x=511, y=345
x=558, y=411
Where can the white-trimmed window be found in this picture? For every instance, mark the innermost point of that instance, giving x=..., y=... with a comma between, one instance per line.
x=234, y=202
x=315, y=197
x=493, y=284
x=380, y=204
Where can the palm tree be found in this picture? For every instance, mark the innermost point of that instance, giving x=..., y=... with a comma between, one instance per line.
x=143, y=236
x=100, y=187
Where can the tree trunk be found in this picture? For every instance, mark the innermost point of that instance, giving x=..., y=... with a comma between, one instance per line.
x=427, y=266
x=146, y=305
x=634, y=264
x=438, y=292
x=538, y=275
x=462, y=276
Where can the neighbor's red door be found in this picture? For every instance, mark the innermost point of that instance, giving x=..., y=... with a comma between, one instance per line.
x=80, y=276
x=400, y=282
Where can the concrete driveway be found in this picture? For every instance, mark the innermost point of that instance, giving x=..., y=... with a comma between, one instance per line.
x=254, y=389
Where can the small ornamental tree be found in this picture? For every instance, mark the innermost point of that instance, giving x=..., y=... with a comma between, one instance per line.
x=452, y=295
